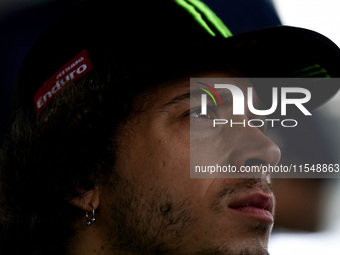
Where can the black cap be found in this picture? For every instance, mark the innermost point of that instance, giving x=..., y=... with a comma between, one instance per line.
x=129, y=39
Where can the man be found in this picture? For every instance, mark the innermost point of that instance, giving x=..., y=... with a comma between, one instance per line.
x=99, y=158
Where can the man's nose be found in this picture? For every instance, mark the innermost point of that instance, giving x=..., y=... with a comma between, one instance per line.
x=254, y=148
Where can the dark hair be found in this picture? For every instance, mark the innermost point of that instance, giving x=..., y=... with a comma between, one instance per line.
x=50, y=158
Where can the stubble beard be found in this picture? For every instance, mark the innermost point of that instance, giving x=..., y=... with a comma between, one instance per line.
x=156, y=224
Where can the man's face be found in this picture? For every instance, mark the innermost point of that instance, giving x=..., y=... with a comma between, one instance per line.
x=154, y=207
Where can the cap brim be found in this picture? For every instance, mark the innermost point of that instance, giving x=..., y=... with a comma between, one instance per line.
x=296, y=53
x=279, y=52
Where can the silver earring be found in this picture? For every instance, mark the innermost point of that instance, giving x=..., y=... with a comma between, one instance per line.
x=93, y=218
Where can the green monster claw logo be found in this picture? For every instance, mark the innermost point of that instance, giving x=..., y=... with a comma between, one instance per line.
x=196, y=8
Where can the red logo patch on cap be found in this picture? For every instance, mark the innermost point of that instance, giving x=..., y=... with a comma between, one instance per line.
x=70, y=72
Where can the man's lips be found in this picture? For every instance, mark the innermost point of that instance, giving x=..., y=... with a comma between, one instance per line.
x=255, y=205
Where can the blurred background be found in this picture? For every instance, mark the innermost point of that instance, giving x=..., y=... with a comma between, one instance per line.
x=308, y=210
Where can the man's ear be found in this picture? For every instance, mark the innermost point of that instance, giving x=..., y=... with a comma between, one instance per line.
x=86, y=199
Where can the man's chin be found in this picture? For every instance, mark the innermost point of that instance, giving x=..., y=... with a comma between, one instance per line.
x=255, y=250
x=254, y=241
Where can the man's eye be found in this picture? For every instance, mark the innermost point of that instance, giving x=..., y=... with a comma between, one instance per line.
x=196, y=113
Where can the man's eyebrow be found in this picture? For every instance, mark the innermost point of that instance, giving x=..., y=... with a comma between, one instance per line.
x=225, y=96
x=177, y=99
